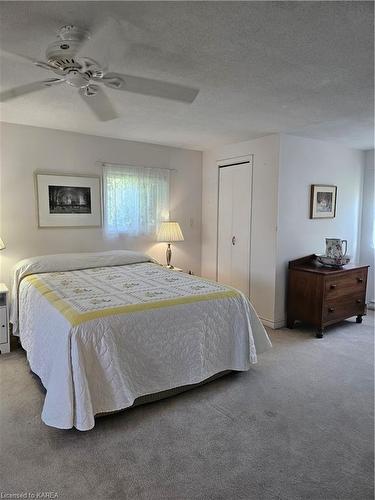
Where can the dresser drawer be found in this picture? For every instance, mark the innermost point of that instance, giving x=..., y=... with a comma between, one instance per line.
x=3, y=325
x=349, y=283
x=344, y=307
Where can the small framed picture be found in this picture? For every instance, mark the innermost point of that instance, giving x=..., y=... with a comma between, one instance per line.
x=323, y=201
x=68, y=201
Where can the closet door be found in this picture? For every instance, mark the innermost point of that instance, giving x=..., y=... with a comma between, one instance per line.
x=234, y=225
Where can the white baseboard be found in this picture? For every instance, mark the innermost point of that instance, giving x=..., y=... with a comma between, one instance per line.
x=275, y=325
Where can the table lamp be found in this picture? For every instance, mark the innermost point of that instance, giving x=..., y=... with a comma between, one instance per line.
x=169, y=231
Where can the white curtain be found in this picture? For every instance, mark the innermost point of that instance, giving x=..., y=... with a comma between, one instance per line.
x=136, y=199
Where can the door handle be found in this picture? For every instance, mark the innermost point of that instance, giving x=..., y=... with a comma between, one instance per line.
x=233, y=240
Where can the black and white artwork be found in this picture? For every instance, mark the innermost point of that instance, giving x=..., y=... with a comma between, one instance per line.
x=323, y=201
x=69, y=200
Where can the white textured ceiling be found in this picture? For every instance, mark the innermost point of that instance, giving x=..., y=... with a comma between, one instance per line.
x=262, y=67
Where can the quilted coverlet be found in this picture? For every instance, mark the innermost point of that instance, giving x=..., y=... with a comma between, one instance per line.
x=101, y=337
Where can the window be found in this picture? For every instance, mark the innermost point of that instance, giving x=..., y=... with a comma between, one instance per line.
x=136, y=199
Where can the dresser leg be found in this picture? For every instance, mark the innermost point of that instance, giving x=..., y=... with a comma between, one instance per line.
x=290, y=323
x=319, y=333
x=359, y=319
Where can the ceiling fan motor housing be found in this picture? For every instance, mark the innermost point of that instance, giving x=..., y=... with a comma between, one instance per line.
x=61, y=53
x=71, y=32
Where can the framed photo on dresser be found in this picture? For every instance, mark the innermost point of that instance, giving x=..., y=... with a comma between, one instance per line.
x=68, y=200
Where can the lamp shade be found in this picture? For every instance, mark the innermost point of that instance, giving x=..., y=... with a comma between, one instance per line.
x=170, y=231
x=2, y=246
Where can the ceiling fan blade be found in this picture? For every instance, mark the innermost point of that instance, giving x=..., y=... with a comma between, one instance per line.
x=15, y=57
x=6, y=95
x=98, y=102
x=148, y=86
x=12, y=56
x=99, y=44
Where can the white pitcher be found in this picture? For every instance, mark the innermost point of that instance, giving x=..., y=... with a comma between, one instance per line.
x=334, y=247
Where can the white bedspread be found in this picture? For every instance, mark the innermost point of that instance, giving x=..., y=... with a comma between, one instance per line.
x=100, y=337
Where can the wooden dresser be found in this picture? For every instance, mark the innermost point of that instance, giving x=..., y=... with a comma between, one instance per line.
x=323, y=296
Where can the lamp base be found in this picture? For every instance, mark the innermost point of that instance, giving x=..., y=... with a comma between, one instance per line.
x=168, y=255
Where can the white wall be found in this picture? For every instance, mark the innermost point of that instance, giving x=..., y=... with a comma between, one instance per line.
x=284, y=169
x=264, y=217
x=304, y=162
x=27, y=149
x=367, y=250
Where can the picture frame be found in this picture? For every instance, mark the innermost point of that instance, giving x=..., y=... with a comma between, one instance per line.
x=66, y=200
x=323, y=201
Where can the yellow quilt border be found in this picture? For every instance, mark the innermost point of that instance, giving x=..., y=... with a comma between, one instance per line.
x=75, y=318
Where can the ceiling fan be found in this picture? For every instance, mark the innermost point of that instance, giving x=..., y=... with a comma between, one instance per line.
x=64, y=58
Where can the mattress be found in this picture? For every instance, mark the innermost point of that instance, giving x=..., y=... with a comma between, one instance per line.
x=104, y=330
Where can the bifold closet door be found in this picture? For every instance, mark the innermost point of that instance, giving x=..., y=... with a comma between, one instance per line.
x=234, y=226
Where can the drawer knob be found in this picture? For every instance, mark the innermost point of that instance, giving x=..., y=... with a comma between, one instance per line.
x=333, y=286
x=360, y=280
x=2, y=326
x=331, y=309
x=358, y=301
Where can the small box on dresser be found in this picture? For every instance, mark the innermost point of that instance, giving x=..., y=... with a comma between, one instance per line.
x=322, y=296
x=4, y=322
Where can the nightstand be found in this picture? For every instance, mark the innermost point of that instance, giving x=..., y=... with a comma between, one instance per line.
x=4, y=323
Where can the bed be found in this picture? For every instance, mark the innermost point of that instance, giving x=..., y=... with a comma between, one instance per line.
x=102, y=330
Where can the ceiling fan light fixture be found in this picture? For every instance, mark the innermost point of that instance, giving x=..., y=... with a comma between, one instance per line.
x=89, y=90
x=98, y=73
x=77, y=79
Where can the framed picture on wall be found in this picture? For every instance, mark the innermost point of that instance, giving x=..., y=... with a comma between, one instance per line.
x=68, y=201
x=323, y=201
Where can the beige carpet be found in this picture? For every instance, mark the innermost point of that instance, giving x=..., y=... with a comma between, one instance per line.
x=298, y=425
